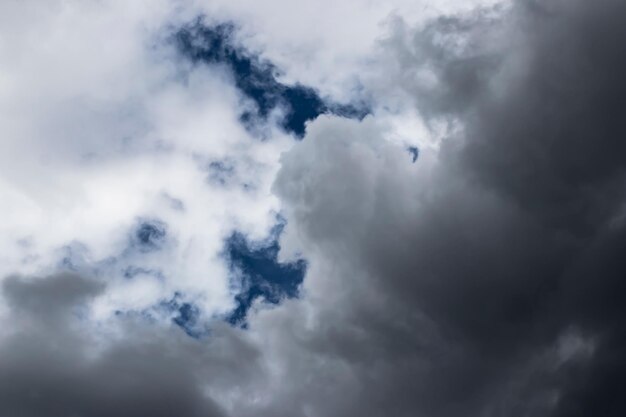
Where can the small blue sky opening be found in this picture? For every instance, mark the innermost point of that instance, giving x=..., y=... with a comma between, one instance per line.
x=258, y=273
x=184, y=314
x=149, y=235
x=415, y=152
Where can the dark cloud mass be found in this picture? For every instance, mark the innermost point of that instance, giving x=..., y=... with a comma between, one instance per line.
x=553, y=144
x=53, y=366
x=515, y=253
x=486, y=279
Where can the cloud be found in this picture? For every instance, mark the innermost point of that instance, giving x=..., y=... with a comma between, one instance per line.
x=326, y=44
x=64, y=368
x=503, y=241
x=106, y=128
x=484, y=278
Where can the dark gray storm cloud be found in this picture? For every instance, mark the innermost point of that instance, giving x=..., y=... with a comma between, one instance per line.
x=485, y=279
x=551, y=141
x=514, y=253
x=53, y=366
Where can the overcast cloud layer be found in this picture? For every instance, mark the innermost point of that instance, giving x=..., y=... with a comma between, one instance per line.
x=444, y=238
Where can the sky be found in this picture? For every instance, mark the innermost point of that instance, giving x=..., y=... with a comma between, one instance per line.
x=234, y=208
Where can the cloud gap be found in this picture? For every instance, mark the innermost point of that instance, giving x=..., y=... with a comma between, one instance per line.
x=257, y=79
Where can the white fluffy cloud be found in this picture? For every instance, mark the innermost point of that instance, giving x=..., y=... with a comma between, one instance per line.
x=104, y=124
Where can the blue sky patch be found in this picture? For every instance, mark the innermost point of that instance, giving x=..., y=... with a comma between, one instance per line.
x=414, y=151
x=184, y=314
x=149, y=235
x=261, y=275
x=256, y=79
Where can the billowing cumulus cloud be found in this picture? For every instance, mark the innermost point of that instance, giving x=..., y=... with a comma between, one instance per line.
x=457, y=251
